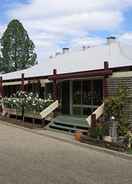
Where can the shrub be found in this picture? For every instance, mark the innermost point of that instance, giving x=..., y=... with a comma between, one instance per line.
x=22, y=101
x=114, y=106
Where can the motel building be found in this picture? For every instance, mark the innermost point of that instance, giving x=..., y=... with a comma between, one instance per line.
x=78, y=80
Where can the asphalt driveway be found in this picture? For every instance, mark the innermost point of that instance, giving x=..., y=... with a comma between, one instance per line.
x=28, y=158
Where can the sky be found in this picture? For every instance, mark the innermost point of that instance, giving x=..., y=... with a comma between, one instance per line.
x=54, y=24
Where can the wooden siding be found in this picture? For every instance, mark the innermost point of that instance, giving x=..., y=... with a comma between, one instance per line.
x=113, y=83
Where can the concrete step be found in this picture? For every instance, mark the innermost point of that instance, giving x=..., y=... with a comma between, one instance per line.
x=71, y=120
x=68, y=124
x=64, y=128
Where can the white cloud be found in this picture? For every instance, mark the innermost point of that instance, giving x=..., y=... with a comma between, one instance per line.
x=87, y=41
x=2, y=29
x=52, y=23
x=56, y=7
x=126, y=37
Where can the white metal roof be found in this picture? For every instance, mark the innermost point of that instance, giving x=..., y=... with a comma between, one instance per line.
x=116, y=53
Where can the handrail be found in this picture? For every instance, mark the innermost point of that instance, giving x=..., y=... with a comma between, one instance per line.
x=49, y=109
x=98, y=112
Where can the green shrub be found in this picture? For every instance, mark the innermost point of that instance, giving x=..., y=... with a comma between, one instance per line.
x=97, y=132
x=114, y=106
x=26, y=102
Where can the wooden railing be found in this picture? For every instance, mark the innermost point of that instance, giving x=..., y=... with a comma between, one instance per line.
x=49, y=110
x=98, y=113
x=45, y=114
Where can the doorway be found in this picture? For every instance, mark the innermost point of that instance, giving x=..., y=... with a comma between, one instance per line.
x=87, y=95
x=65, y=97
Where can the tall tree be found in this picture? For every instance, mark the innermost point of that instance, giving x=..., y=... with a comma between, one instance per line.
x=17, y=50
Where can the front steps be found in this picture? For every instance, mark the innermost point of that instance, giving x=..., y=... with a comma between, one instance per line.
x=68, y=124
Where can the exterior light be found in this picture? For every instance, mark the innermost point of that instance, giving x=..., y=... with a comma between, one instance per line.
x=112, y=118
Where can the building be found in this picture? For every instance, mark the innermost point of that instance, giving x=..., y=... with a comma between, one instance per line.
x=79, y=80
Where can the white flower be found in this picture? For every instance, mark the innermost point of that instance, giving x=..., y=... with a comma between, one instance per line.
x=29, y=97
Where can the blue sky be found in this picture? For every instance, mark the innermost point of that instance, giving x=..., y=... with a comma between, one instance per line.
x=53, y=24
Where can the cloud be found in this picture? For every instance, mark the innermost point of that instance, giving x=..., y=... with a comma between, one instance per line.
x=2, y=29
x=54, y=23
x=87, y=41
x=39, y=8
x=126, y=37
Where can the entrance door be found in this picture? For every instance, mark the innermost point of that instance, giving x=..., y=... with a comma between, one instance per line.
x=87, y=96
x=65, y=97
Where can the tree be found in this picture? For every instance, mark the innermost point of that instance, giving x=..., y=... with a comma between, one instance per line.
x=17, y=50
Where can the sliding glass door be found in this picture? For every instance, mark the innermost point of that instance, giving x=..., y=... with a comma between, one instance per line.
x=65, y=97
x=86, y=96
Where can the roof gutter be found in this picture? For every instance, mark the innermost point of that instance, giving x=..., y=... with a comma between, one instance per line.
x=81, y=74
x=90, y=73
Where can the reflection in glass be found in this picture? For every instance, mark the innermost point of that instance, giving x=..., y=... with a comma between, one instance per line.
x=87, y=111
x=86, y=93
x=77, y=92
x=77, y=110
x=87, y=96
x=97, y=92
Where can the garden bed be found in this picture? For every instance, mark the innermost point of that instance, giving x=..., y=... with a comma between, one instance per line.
x=104, y=144
x=28, y=123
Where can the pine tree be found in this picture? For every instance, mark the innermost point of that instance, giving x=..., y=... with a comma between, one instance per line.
x=17, y=50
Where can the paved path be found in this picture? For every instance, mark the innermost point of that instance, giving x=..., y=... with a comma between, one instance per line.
x=28, y=158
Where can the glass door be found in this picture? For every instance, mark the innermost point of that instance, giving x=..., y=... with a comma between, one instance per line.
x=77, y=97
x=86, y=96
x=65, y=97
x=87, y=104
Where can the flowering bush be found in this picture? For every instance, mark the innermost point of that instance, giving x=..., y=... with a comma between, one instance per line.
x=27, y=102
x=11, y=103
x=34, y=103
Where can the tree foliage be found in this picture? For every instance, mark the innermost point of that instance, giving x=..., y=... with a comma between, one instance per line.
x=17, y=50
